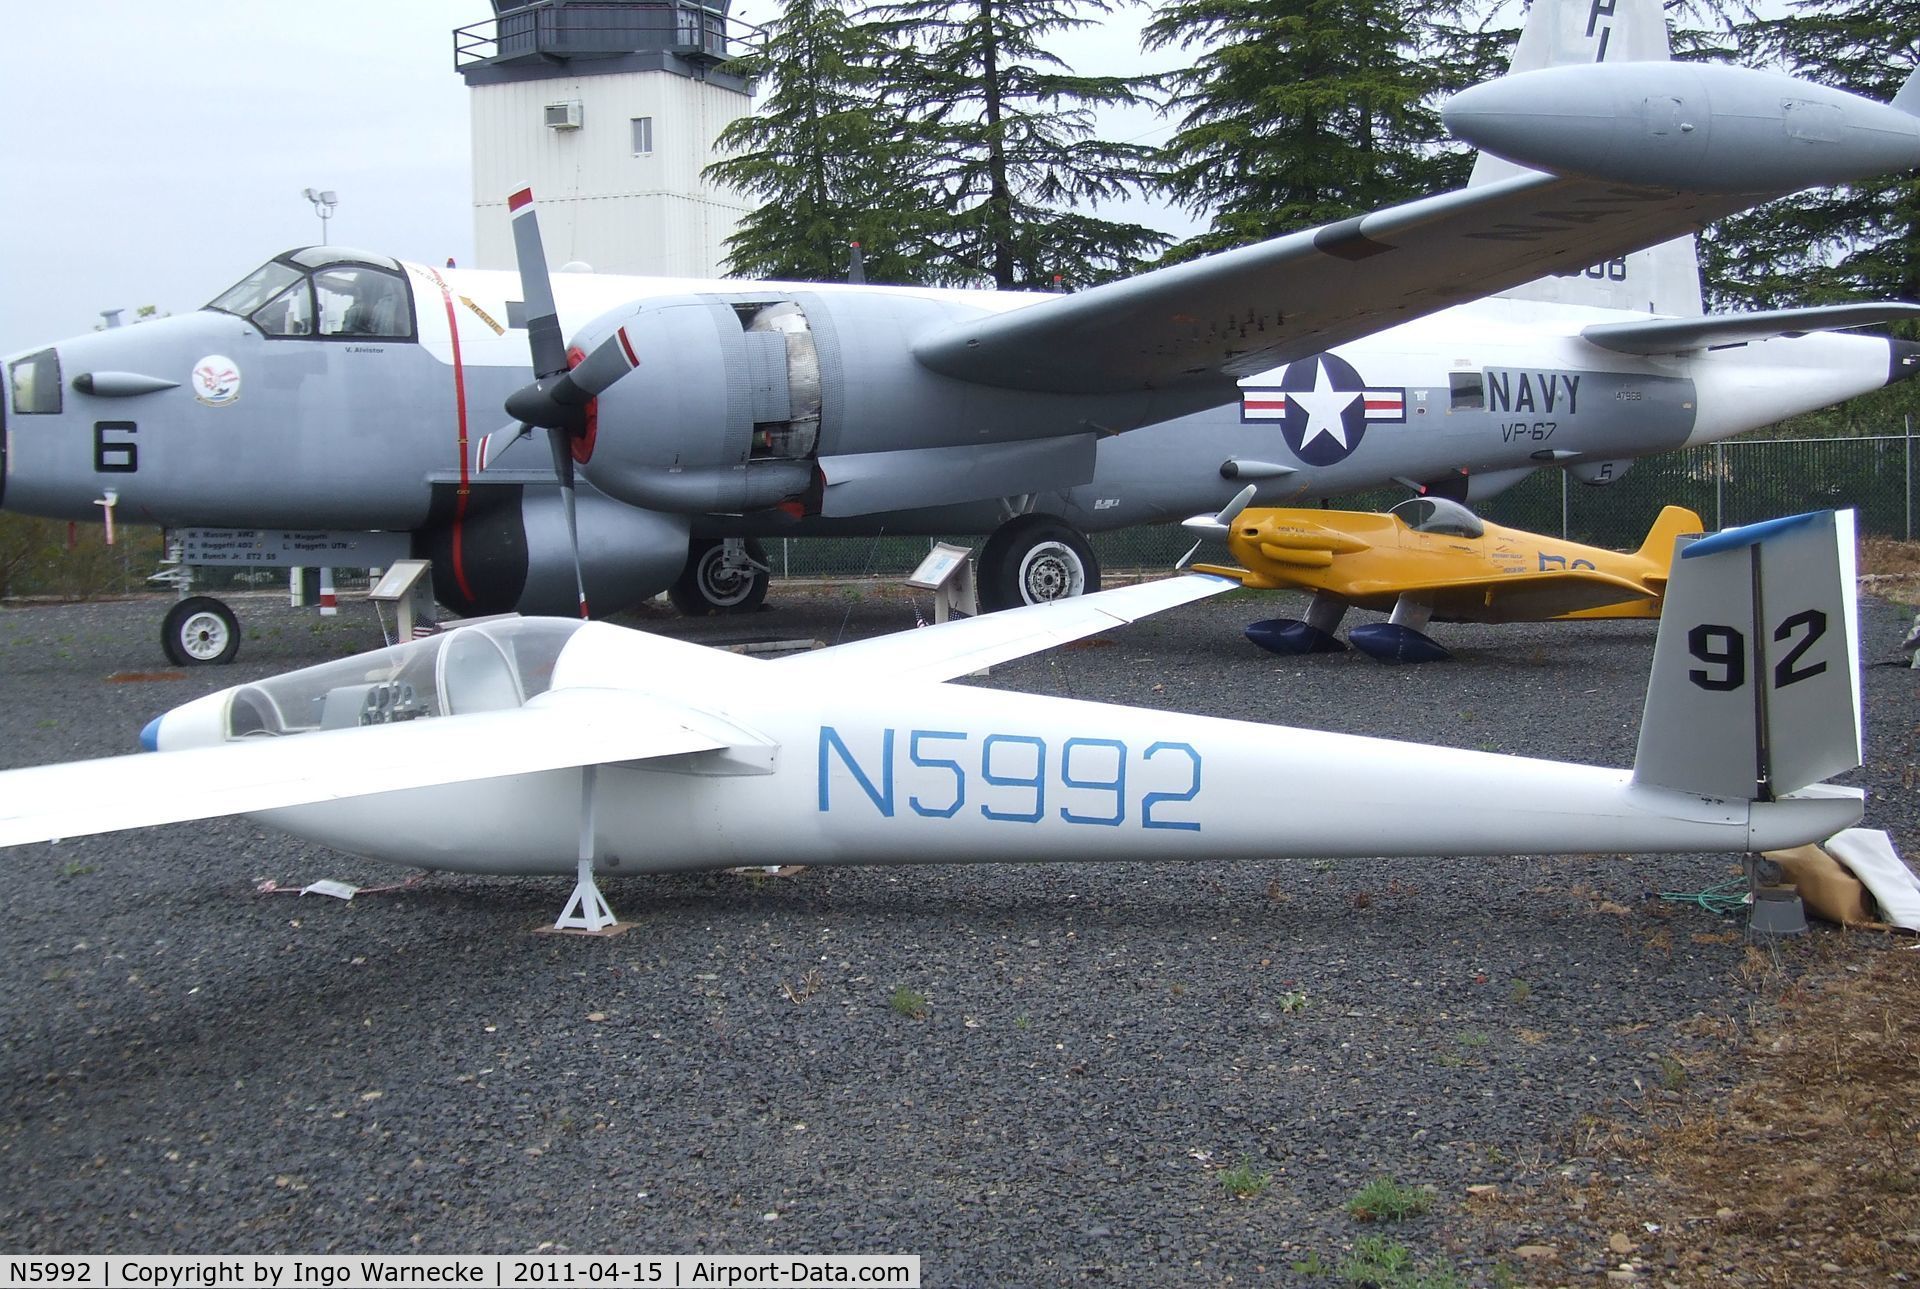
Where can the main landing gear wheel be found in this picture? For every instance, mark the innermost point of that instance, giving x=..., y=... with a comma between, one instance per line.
x=1033, y=560
x=714, y=583
x=200, y=631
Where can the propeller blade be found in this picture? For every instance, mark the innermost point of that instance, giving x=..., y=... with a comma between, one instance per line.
x=558, y=393
x=1187, y=559
x=1233, y=508
x=536, y=287
x=562, y=444
x=556, y=402
x=488, y=454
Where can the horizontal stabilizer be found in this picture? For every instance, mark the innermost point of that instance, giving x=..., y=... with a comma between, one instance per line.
x=967, y=644
x=1678, y=335
x=553, y=731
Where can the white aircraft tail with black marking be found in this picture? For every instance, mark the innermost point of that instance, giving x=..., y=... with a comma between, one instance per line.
x=1663, y=279
x=1755, y=692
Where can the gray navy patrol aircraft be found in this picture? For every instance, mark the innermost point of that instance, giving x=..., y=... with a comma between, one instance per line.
x=343, y=390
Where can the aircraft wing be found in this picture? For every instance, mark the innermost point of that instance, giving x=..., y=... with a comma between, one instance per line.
x=552, y=731
x=1523, y=597
x=967, y=645
x=1197, y=327
x=1677, y=335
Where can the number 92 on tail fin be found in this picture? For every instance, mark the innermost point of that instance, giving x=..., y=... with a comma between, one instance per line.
x=1755, y=691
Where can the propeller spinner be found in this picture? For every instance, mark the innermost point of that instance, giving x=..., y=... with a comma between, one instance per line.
x=1218, y=527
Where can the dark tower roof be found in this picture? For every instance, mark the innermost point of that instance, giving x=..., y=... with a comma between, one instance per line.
x=543, y=39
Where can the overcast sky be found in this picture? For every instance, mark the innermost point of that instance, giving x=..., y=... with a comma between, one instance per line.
x=154, y=152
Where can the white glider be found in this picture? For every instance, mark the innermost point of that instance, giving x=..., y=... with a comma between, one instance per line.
x=548, y=745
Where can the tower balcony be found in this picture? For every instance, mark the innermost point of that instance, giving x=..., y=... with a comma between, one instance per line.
x=555, y=33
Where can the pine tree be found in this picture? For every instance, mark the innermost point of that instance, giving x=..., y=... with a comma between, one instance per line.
x=1301, y=112
x=825, y=154
x=1001, y=137
x=1853, y=241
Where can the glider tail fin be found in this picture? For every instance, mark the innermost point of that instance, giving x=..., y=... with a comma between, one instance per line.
x=1756, y=679
x=1663, y=279
x=1673, y=523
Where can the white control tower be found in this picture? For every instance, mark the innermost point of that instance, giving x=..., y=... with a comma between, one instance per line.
x=609, y=110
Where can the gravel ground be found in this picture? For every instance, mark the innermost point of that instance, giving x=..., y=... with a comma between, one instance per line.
x=190, y=1066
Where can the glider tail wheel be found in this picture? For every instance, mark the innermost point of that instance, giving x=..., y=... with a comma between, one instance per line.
x=565, y=383
x=721, y=580
x=198, y=631
x=1032, y=560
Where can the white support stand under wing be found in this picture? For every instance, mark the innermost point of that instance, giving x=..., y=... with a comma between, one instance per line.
x=588, y=909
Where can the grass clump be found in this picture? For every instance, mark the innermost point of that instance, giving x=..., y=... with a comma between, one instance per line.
x=1385, y=1200
x=1387, y=1264
x=910, y=1003
x=1242, y=1181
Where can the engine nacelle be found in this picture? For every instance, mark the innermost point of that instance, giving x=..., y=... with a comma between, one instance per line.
x=721, y=414
x=508, y=551
x=742, y=403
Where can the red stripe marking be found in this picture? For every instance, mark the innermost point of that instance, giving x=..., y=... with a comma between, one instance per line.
x=460, y=409
x=1266, y=404
x=1391, y=404
x=522, y=198
x=626, y=347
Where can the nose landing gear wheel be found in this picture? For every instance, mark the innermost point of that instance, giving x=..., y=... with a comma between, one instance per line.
x=199, y=631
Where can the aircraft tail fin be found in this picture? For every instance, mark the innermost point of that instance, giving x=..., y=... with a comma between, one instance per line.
x=1663, y=279
x=1673, y=523
x=1756, y=679
x=1908, y=99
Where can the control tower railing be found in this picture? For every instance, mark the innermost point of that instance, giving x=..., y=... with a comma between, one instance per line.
x=545, y=31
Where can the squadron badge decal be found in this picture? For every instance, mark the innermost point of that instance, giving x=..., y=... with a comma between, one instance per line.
x=216, y=380
x=1323, y=407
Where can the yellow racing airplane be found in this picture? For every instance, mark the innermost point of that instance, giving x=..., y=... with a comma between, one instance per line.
x=1428, y=559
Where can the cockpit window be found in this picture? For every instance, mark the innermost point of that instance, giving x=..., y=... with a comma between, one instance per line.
x=256, y=288
x=319, y=257
x=324, y=291
x=360, y=301
x=36, y=383
x=288, y=314
x=481, y=668
x=1438, y=515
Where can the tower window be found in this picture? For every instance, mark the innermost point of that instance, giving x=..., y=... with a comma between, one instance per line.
x=642, y=136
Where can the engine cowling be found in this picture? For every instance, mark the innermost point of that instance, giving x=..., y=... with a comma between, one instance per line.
x=507, y=551
x=720, y=415
x=741, y=403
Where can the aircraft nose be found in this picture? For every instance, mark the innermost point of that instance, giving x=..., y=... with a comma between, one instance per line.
x=1903, y=360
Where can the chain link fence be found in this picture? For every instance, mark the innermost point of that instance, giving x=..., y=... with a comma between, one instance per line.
x=1726, y=483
